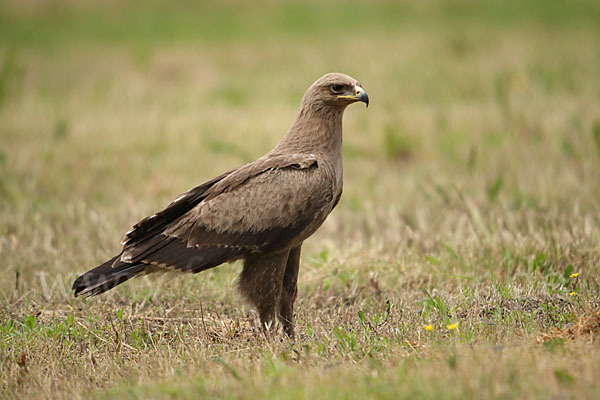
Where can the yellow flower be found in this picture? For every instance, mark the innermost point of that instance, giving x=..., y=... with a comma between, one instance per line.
x=452, y=326
x=428, y=328
x=575, y=275
x=572, y=294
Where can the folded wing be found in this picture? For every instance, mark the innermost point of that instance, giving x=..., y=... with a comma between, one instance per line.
x=257, y=208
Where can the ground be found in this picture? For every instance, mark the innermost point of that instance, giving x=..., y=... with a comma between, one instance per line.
x=462, y=261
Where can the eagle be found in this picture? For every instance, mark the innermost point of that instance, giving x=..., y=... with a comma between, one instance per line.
x=260, y=213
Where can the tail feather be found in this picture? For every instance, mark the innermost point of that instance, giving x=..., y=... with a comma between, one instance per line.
x=105, y=277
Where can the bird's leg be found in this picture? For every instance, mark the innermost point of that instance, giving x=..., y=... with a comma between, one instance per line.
x=260, y=283
x=289, y=290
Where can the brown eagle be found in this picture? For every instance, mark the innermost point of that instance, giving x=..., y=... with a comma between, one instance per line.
x=260, y=212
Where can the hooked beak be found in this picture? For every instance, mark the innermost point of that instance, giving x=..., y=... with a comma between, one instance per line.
x=359, y=95
x=362, y=95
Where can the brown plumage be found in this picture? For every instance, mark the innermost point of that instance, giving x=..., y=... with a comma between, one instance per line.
x=260, y=212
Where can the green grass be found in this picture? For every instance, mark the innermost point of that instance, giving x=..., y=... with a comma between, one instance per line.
x=156, y=22
x=470, y=197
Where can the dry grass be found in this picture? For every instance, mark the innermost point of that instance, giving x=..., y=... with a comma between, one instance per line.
x=470, y=198
x=585, y=328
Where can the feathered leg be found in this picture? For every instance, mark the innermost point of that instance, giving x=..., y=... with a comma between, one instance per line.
x=260, y=283
x=289, y=291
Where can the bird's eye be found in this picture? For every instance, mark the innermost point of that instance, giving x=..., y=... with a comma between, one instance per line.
x=337, y=88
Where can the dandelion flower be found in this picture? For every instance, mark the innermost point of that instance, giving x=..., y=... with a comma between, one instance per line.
x=428, y=328
x=575, y=275
x=452, y=326
x=572, y=294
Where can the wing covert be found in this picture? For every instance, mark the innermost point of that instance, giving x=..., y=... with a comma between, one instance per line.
x=244, y=212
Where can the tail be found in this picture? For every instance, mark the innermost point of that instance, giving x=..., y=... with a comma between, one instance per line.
x=105, y=277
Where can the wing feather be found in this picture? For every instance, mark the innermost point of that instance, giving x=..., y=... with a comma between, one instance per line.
x=259, y=207
x=156, y=223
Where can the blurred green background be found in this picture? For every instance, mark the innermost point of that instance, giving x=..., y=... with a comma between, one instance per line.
x=115, y=107
x=109, y=109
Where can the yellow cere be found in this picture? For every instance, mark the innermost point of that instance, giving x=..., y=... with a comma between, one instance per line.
x=452, y=326
x=428, y=328
x=575, y=275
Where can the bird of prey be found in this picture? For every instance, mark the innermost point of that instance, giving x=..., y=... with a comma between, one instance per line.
x=260, y=213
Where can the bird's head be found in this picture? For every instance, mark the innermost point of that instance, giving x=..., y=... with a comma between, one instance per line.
x=335, y=90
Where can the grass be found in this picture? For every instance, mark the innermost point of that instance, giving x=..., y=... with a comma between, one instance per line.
x=461, y=262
